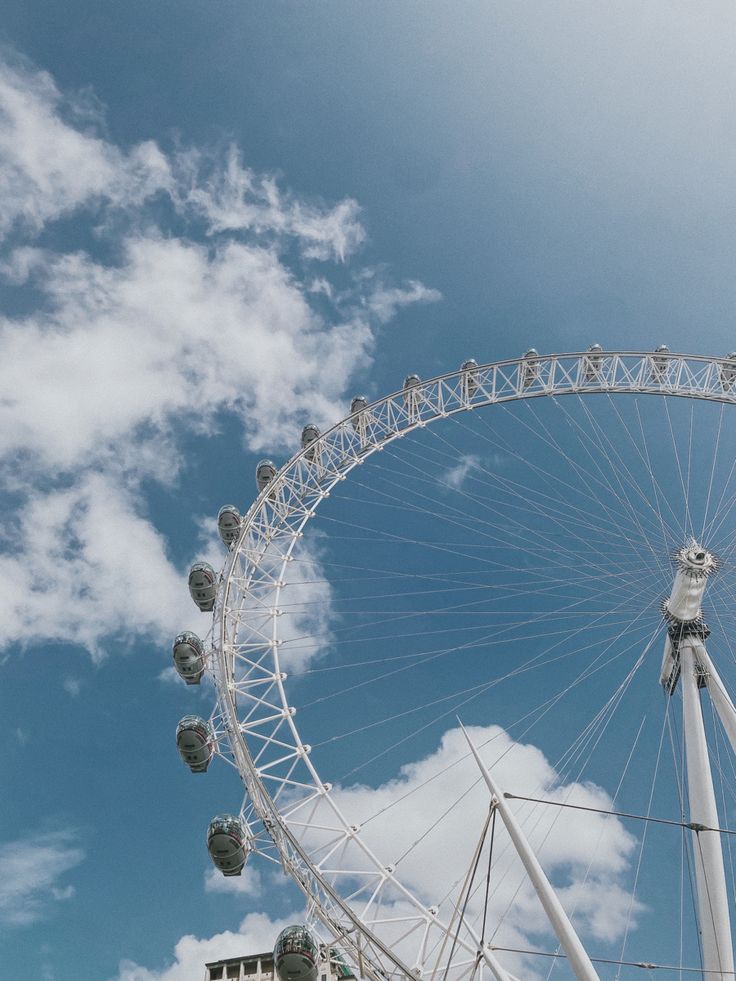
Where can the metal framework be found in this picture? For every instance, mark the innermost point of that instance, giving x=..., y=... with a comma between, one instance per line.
x=359, y=899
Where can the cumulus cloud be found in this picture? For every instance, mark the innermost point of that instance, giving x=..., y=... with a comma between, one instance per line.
x=256, y=934
x=122, y=351
x=248, y=883
x=175, y=331
x=80, y=558
x=30, y=870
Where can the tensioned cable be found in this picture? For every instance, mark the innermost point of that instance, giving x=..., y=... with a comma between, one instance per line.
x=657, y=554
x=601, y=720
x=688, y=519
x=543, y=708
x=475, y=782
x=712, y=471
x=645, y=965
x=441, y=653
x=681, y=534
x=555, y=543
x=692, y=826
x=614, y=470
x=549, y=441
x=496, y=478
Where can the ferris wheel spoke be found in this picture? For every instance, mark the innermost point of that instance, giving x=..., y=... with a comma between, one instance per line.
x=598, y=480
x=555, y=503
x=555, y=547
x=618, y=467
x=526, y=538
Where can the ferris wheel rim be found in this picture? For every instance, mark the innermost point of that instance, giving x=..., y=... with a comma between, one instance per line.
x=406, y=410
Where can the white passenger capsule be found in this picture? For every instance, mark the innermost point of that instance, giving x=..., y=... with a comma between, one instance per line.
x=310, y=434
x=728, y=370
x=592, y=362
x=265, y=473
x=659, y=362
x=411, y=394
x=358, y=404
x=228, y=523
x=228, y=844
x=530, y=369
x=203, y=586
x=295, y=955
x=195, y=741
x=469, y=378
x=188, y=654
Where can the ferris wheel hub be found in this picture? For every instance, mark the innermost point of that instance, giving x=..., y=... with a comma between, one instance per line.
x=694, y=563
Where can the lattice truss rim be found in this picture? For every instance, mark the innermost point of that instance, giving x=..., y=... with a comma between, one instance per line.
x=257, y=728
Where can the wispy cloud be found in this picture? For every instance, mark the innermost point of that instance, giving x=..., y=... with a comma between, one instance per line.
x=456, y=475
x=30, y=870
x=122, y=357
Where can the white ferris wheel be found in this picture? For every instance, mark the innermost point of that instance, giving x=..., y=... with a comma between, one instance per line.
x=472, y=650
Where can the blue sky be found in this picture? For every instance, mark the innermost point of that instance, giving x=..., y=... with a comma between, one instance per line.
x=218, y=222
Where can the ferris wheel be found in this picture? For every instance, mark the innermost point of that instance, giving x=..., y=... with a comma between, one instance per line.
x=459, y=640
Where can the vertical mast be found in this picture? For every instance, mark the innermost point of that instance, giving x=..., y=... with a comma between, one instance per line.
x=685, y=656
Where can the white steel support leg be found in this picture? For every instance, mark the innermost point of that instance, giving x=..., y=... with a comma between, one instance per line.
x=719, y=696
x=571, y=944
x=715, y=924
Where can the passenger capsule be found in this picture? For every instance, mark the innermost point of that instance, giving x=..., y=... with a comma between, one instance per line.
x=188, y=654
x=358, y=404
x=265, y=473
x=592, y=362
x=530, y=369
x=194, y=740
x=295, y=955
x=227, y=843
x=728, y=371
x=310, y=434
x=411, y=395
x=659, y=363
x=357, y=410
x=470, y=377
x=228, y=523
x=203, y=586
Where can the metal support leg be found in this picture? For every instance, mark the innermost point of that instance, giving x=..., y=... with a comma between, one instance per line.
x=576, y=953
x=715, y=924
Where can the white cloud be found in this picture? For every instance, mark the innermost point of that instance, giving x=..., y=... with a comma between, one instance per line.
x=176, y=331
x=30, y=869
x=456, y=476
x=82, y=559
x=384, y=301
x=248, y=883
x=72, y=686
x=120, y=358
x=256, y=934
x=232, y=197
x=50, y=167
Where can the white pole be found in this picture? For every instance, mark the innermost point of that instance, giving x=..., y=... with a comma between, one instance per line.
x=719, y=696
x=710, y=879
x=576, y=954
